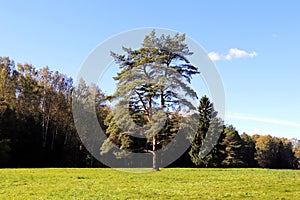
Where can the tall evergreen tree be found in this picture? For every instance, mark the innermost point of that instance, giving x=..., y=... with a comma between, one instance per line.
x=248, y=151
x=153, y=85
x=233, y=143
x=206, y=115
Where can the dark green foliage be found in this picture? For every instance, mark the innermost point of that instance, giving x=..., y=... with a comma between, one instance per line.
x=152, y=88
x=206, y=114
x=37, y=128
x=206, y=147
x=248, y=151
x=36, y=125
x=233, y=150
x=233, y=146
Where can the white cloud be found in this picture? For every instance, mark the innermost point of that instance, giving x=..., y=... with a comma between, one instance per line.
x=261, y=119
x=237, y=53
x=232, y=53
x=228, y=57
x=214, y=56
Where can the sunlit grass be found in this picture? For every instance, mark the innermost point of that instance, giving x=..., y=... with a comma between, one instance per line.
x=165, y=184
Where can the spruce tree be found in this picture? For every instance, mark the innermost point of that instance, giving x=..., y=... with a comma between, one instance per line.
x=233, y=148
x=208, y=131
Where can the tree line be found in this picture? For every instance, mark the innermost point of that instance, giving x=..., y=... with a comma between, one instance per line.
x=36, y=123
x=37, y=127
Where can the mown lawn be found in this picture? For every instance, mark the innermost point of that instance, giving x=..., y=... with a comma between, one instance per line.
x=165, y=184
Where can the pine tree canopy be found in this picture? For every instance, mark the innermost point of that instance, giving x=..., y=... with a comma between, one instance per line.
x=153, y=89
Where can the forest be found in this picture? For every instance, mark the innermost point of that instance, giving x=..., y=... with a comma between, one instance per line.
x=37, y=127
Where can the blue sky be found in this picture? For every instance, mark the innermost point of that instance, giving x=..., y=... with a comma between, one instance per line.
x=261, y=79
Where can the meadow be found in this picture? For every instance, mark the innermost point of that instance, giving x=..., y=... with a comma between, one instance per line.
x=173, y=183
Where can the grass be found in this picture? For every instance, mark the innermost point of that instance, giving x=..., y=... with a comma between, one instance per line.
x=165, y=184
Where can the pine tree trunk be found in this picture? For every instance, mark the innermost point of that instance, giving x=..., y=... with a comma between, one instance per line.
x=154, y=161
x=92, y=161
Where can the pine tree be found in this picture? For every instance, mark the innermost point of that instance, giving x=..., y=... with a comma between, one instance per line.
x=152, y=86
x=233, y=147
x=248, y=150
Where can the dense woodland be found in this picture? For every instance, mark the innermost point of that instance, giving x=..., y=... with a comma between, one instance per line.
x=37, y=128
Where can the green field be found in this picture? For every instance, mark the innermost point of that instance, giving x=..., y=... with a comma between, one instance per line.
x=165, y=184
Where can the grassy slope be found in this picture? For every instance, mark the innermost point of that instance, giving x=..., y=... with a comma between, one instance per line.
x=165, y=184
